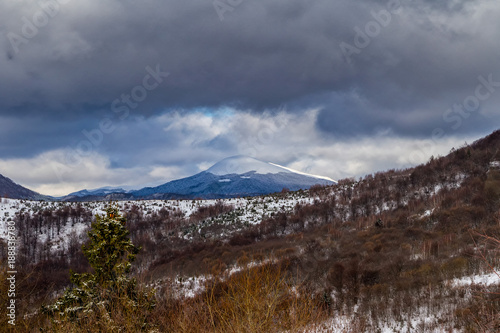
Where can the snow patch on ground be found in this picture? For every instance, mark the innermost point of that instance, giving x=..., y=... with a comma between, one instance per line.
x=486, y=279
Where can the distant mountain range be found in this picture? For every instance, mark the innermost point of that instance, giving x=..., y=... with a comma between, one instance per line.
x=103, y=191
x=9, y=189
x=236, y=176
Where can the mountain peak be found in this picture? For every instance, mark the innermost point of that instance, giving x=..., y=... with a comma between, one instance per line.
x=241, y=164
x=235, y=176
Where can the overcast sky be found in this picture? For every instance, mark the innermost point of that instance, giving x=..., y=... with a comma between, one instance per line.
x=124, y=92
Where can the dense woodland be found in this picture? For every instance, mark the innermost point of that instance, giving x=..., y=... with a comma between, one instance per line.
x=377, y=251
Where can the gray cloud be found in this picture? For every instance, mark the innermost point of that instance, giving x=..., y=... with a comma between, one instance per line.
x=263, y=54
x=62, y=71
x=189, y=143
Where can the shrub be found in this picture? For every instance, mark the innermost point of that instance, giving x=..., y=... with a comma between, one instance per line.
x=259, y=299
x=454, y=267
x=108, y=295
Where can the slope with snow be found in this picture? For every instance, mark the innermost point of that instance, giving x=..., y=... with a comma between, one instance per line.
x=244, y=164
x=99, y=191
x=247, y=210
x=237, y=176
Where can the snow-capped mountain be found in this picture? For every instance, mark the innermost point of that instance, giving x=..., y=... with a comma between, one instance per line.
x=232, y=177
x=99, y=192
x=243, y=164
x=237, y=176
x=9, y=189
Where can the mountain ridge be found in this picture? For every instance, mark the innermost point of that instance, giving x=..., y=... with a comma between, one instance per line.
x=10, y=189
x=241, y=164
x=235, y=176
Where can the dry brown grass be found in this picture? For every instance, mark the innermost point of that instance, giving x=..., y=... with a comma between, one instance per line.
x=484, y=311
x=258, y=298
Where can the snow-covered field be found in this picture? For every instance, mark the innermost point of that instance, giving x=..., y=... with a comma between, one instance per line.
x=247, y=211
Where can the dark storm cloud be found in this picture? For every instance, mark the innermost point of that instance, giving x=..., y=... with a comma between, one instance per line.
x=263, y=54
x=28, y=136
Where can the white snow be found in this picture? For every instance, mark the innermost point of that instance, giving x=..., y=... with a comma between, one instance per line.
x=251, y=210
x=243, y=164
x=428, y=212
x=421, y=319
x=304, y=174
x=487, y=279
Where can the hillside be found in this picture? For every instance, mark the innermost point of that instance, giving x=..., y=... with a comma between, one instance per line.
x=9, y=189
x=395, y=251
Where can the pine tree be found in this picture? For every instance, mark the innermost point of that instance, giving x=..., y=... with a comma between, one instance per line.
x=108, y=288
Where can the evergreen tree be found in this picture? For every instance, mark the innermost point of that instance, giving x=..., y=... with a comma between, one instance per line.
x=108, y=288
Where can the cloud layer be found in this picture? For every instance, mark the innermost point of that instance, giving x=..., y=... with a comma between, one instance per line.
x=184, y=144
x=393, y=70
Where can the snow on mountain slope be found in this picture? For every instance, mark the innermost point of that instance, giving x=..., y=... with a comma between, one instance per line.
x=304, y=173
x=236, y=176
x=243, y=164
x=98, y=191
